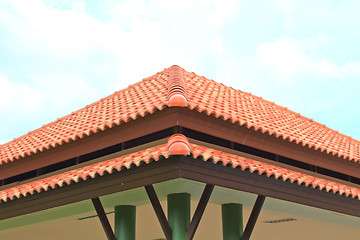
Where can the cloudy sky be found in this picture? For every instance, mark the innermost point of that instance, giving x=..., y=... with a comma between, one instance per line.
x=58, y=56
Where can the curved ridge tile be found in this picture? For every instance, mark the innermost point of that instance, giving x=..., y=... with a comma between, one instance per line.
x=176, y=90
x=178, y=144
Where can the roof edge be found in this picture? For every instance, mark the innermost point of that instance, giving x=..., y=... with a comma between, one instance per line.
x=157, y=153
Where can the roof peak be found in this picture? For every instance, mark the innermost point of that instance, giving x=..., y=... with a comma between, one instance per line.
x=176, y=88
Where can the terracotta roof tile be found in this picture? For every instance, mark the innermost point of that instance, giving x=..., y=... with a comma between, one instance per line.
x=139, y=99
x=254, y=112
x=183, y=88
x=162, y=152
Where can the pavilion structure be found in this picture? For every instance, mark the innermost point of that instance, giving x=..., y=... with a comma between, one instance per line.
x=178, y=156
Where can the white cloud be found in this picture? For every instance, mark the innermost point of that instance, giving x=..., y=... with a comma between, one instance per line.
x=19, y=97
x=147, y=33
x=285, y=56
x=287, y=59
x=352, y=69
x=327, y=68
x=78, y=6
x=217, y=46
x=154, y=33
x=157, y=34
x=286, y=7
x=61, y=91
x=54, y=31
x=43, y=94
x=224, y=10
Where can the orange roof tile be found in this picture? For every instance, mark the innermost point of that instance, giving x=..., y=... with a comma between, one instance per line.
x=254, y=112
x=137, y=100
x=162, y=152
x=176, y=87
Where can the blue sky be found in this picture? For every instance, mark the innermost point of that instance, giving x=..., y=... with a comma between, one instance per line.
x=58, y=56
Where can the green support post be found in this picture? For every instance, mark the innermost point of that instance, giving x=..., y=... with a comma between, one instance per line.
x=179, y=214
x=125, y=220
x=232, y=221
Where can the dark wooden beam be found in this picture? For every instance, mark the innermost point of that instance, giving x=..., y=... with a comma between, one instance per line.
x=159, y=211
x=181, y=167
x=178, y=116
x=253, y=217
x=246, y=181
x=103, y=218
x=151, y=173
x=199, y=211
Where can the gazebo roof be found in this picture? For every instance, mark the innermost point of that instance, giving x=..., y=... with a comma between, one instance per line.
x=178, y=129
x=176, y=87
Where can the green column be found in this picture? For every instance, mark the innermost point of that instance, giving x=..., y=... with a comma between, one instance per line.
x=179, y=214
x=125, y=220
x=232, y=221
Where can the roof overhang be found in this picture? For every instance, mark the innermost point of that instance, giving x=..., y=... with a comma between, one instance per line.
x=184, y=167
x=182, y=117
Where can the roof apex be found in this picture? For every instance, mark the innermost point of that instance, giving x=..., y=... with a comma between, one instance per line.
x=176, y=88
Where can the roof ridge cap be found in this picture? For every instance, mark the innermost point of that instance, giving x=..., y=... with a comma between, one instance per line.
x=177, y=96
x=178, y=144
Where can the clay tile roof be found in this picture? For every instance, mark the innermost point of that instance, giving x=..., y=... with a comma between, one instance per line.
x=163, y=151
x=254, y=112
x=137, y=100
x=176, y=87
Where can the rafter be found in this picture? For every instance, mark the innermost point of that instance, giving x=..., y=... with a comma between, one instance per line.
x=199, y=211
x=159, y=211
x=103, y=218
x=253, y=217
